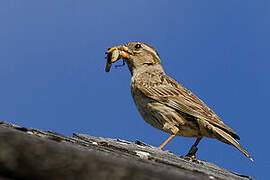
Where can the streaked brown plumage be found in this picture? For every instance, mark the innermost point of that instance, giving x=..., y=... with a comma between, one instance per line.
x=167, y=105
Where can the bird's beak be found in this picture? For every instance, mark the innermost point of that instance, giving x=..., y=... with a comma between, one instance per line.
x=118, y=52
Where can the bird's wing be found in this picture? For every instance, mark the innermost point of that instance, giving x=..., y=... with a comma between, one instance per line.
x=166, y=90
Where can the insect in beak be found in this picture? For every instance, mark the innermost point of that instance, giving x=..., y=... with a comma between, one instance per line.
x=115, y=54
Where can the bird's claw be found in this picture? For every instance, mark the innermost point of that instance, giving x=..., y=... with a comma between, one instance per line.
x=192, y=152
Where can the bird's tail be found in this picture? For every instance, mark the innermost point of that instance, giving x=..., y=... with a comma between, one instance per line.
x=225, y=137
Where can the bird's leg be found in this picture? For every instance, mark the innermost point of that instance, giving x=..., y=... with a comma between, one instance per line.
x=194, y=149
x=162, y=145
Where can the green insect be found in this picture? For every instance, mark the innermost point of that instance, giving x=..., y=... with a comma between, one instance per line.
x=112, y=56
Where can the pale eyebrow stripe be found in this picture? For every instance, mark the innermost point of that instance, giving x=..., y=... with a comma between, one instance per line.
x=148, y=48
x=152, y=51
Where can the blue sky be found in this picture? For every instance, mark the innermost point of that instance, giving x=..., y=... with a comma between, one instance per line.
x=52, y=69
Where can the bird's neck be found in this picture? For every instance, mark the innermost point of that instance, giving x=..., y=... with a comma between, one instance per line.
x=136, y=71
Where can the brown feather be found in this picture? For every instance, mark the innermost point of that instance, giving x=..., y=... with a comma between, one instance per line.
x=167, y=105
x=183, y=100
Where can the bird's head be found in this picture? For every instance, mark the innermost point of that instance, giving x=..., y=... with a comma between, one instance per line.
x=137, y=55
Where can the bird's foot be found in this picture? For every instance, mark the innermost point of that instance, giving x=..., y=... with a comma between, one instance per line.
x=192, y=152
x=160, y=148
x=168, y=151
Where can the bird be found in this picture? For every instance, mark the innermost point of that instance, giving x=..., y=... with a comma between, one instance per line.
x=166, y=104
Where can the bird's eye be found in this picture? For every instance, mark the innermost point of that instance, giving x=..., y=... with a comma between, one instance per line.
x=137, y=46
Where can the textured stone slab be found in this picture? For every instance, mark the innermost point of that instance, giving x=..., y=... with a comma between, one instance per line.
x=36, y=154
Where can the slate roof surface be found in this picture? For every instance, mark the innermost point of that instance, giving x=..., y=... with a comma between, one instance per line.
x=36, y=154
